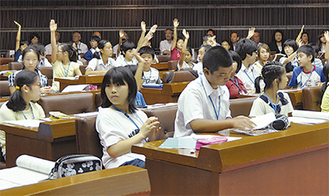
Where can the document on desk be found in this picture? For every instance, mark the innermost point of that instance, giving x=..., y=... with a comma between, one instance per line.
x=188, y=142
x=29, y=170
x=308, y=117
x=25, y=123
x=74, y=88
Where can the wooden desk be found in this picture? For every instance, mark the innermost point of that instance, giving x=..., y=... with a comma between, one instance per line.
x=291, y=162
x=119, y=181
x=90, y=79
x=296, y=98
x=169, y=93
x=50, y=141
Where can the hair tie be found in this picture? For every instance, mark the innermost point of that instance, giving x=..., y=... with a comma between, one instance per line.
x=17, y=87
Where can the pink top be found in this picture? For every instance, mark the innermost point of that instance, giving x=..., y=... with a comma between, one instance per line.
x=175, y=55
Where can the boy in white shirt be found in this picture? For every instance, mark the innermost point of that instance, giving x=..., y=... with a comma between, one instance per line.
x=150, y=74
x=127, y=58
x=204, y=106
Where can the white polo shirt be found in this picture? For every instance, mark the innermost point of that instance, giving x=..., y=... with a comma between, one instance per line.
x=121, y=61
x=165, y=45
x=98, y=64
x=248, y=76
x=194, y=103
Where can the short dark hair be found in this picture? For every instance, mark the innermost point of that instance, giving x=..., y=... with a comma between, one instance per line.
x=127, y=45
x=119, y=75
x=292, y=43
x=216, y=57
x=101, y=45
x=271, y=71
x=96, y=38
x=16, y=101
x=23, y=42
x=29, y=49
x=244, y=47
x=235, y=56
x=211, y=31
x=34, y=34
x=40, y=48
x=169, y=29
x=146, y=50
x=304, y=32
x=277, y=31
x=72, y=52
x=308, y=50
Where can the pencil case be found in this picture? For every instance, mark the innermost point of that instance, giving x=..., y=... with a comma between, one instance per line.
x=209, y=141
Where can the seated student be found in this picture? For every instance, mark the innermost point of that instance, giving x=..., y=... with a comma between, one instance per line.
x=34, y=38
x=277, y=40
x=30, y=62
x=204, y=105
x=263, y=53
x=127, y=58
x=20, y=45
x=43, y=62
x=22, y=103
x=306, y=74
x=202, y=51
x=290, y=59
x=235, y=85
x=247, y=49
x=185, y=60
x=317, y=62
x=64, y=58
x=272, y=100
x=226, y=44
x=325, y=90
x=150, y=74
x=177, y=44
x=209, y=40
x=94, y=46
x=119, y=124
x=100, y=64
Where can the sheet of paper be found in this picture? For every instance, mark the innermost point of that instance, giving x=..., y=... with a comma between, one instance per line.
x=87, y=114
x=25, y=123
x=74, y=88
x=310, y=114
x=306, y=121
x=263, y=121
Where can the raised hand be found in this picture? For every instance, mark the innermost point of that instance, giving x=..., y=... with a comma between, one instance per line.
x=52, y=25
x=143, y=26
x=186, y=34
x=326, y=36
x=176, y=23
x=121, y=34
x=17, y=24
x=153, y=28
x=251, y=32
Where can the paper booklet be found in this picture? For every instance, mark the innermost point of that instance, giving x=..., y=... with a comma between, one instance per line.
x=308, y=117
x=74, y=88
x=29, y=170
x=25, y=123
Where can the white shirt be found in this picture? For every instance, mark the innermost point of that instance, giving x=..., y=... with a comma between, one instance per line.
x=98, y=64
x=165, y=45
x=49, y=49
x=185, y=65
x=122, y=62
x=198, y=67
x=194, y=103
x=260, y=107
x=113, y=126
x=152, y=76
x=248, y=76
x=115, y=48
x=82, y=48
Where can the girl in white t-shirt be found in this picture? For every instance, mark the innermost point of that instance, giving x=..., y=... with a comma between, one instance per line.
x=22, y=103
x=64, y=58
x=102, y=60
x=119, y=124
x=272, y=100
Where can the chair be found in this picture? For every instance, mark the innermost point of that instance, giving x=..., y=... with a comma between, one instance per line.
x=4, y=88
x=312, y=98
x=179, y=76
x=88, y=141
x=172, y=65
x=15, y=65
x=241, y=106
x=6, y=60
x=83, y=69
x=163, y=58
x=47, y=71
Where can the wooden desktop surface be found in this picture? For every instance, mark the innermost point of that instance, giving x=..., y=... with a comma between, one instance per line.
x=50, y=141
x=119, y=181
x=169, y=93
x=293, y=158
x=90, y=79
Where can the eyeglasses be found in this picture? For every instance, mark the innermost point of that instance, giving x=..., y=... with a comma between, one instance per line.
x=36, y=84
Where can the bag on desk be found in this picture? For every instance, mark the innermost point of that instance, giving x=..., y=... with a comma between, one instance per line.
x=71, y=165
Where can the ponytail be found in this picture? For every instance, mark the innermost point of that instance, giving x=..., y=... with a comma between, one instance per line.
x=257, y=80
x=101, y=44
x=16, y=101
x=72, y=52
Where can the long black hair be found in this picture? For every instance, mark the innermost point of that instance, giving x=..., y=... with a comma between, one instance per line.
x=271, y=71
x=325, y=84
x=72, y=52
x=120, y=75
x=16, y=101
x=101, y=45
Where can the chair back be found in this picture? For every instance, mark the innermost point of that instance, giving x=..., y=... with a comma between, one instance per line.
x=179, y=76
x=15, y=65
x=47, y=71
x=172, y=65
x=4, y=88
x=163, y=58
x=312, y=98
x=241, y=106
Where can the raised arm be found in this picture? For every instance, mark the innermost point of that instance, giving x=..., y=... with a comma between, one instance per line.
x=121, y=35
x=143, y=27
x=326, y=55
x=187, y=36
x=176, y=24
x=18, y=37
x=299, y=36
x=149, y=36
x=251, y=32
x=139, y=71
x=53, y=28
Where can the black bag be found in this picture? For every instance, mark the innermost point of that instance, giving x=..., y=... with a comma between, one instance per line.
x=281, y=122
x=71, y=165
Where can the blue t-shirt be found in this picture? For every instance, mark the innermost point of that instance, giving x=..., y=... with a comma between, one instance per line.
x=88, y=55
x=139, y=101
x=18, y=53
x=302, y=79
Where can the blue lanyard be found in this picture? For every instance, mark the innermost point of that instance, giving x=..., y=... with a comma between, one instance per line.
x=217, y=114
x=253, y=81
x=68, y=68
x=128, y=116
x=301, y=78
x=273, y=106
x=127, y=62
x=147, y=80
x=192, y=64
x=31, y=111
